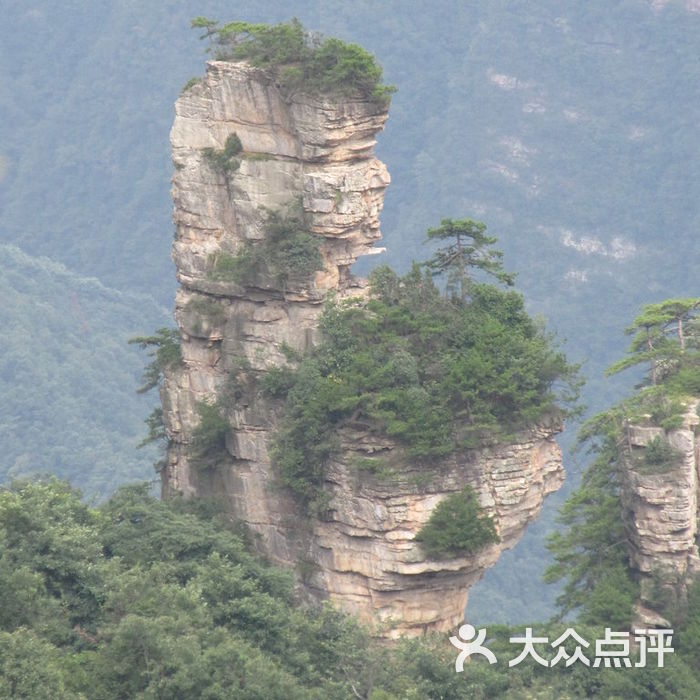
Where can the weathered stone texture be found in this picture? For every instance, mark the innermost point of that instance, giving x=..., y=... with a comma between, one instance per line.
x=661, y=507
x=362, y=554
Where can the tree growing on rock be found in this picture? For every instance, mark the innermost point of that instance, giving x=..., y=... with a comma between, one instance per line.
x=666, y=335
x=468, y=248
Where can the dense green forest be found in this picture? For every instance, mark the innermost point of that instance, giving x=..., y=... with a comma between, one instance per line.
x=568, y=128
x=143, y=599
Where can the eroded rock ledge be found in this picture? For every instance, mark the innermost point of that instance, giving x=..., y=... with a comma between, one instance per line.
x=362, y=554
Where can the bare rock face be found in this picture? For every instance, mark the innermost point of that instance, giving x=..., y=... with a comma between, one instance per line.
x=660, y=507
x=361, y=555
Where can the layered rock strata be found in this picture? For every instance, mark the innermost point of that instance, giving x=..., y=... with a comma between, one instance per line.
x=319, y=152
x=660, y=510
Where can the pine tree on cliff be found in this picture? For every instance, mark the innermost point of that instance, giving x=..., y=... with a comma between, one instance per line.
x=469, y=248
x=666, y=335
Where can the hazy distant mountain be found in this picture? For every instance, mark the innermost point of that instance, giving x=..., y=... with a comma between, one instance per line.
x=569, y=128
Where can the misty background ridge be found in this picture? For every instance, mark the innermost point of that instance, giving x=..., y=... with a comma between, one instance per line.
x=569, y=128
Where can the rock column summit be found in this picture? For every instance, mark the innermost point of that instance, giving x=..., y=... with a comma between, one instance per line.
x=316, y=151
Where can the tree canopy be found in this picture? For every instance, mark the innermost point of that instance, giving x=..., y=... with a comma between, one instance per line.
x=469, y=249
x=667, y=336
x=164, y=351
x=142, y=599
x=457, y=527
x=299, y=59
x=590, y=547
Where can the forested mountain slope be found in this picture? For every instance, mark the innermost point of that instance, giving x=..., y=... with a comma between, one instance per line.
x=569, y=128
x=67, y=375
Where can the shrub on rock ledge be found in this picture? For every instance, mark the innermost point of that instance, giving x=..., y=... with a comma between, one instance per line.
x=457, y=527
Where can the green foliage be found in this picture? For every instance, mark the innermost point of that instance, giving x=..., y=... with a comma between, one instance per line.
x=267, y=45
x=207, y=306
x=231, y=268
x=689, y=632
x=590, y=548
x=292, y=251
x=378, y=466
x=31, y=669
x=206, y=312
x=156, y=428
x=209, y=437
x=337, y=67
x=190, y=83
x=254, y=156
x=457, y=527
x=660, y=455
x=667, y=336
x=436, y=374
x=299, y=61
x=675, y=680
x=240, y=385
x=290, y=354
x=164, y=349
x=180, y=609
x=611, y=599
x=307, y=437
x=224, y=160
x=288, y=255
x=656, y=405
x=425, y=669
x=48, y=551
x=277, y=381
x=469, y=249
x=591, y=553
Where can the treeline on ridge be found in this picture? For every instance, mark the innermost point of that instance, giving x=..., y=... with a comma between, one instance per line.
x=299, y=59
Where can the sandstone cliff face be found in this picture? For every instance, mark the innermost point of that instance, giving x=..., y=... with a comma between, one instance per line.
x=364, y=550
x=660, y=509
x=362, y=554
